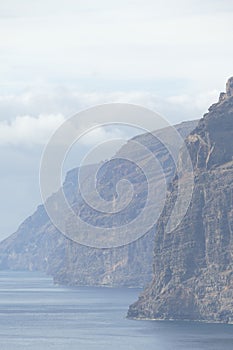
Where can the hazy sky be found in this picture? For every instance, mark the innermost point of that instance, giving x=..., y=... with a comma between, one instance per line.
x=57, y=57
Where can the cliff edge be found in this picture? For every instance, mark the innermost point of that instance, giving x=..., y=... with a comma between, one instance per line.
x=193, y=265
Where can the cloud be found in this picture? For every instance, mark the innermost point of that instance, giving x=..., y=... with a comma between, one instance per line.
x=200, y=101
x=54, y=42
x=28, y=130
x=103, y=134
x=30, y=118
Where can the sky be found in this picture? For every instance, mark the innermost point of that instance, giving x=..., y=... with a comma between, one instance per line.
x=59, y=57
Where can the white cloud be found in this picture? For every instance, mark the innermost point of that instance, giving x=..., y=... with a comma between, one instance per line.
x=100, y=134
x=28, y=130
x=200, y=101
x=19, y=126
x=53, y=42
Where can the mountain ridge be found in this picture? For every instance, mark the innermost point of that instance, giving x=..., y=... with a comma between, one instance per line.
x=37, y=244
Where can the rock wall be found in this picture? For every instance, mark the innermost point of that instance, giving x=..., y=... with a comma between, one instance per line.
x=193, y=265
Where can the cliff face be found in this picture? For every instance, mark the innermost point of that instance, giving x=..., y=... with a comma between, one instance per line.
x=37, y=245
x=193, y=265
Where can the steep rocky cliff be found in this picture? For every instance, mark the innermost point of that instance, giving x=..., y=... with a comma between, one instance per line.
x=37, y=245
x=193, y=265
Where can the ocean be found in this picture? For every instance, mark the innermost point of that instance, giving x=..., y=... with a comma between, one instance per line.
x=37, y=315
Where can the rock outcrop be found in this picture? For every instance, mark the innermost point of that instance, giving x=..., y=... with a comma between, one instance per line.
x=193, y=265
x=229, y=91
x=37, y=245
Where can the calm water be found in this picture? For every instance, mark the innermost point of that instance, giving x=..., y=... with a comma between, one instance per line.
x=35, y=314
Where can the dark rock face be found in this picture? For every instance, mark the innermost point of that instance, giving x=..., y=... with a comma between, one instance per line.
x=193, y=265
x=37, y=245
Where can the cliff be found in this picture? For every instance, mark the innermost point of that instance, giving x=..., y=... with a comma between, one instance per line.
x=38, y=245
x=193, y=264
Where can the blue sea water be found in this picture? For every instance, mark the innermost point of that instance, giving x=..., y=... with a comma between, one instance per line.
x=35, y=314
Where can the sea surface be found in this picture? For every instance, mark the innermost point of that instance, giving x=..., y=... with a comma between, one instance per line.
x=35, y=314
